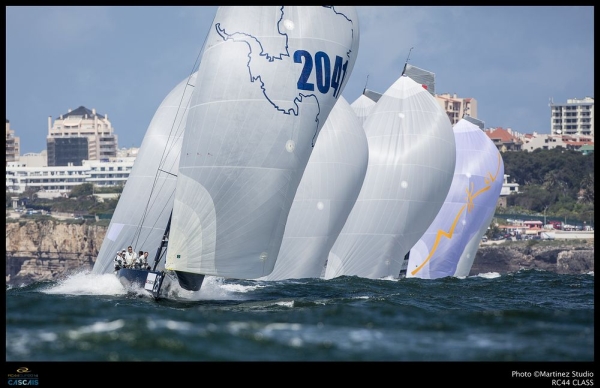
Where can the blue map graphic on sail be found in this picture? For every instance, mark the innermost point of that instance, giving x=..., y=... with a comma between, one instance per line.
x=321, y=76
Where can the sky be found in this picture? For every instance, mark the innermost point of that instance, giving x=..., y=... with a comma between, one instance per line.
x=123, y=61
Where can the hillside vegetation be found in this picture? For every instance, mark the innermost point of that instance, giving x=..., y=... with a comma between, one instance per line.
x=558, y=182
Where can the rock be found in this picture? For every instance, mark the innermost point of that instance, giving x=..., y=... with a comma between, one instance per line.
x=48, y=250
x=568, y=257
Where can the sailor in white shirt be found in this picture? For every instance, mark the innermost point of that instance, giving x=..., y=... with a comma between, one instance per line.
x=130, y=257
x=118, y=261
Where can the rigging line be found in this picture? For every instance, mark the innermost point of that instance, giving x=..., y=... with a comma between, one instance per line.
x=163, y=157
x=157, y=218
x=167, y=172
x=367, y=81
x=168, y=148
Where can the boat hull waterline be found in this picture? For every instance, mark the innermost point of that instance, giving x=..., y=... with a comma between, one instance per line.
x=150, y=281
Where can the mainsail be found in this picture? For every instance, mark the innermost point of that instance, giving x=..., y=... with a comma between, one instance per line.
x=145, y=205
x=412, y=154
x=330, y=184
x=450, y=244
x=268, y=78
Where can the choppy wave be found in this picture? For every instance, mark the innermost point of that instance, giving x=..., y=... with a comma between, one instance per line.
x=526, y=316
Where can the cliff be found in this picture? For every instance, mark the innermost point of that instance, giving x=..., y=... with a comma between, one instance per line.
x=49, y=250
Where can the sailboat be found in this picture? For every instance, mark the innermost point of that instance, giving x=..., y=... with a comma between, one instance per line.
x=449, y=245
x=412, y=155
x=267, y=80
x=145, y=205
x=330, y=184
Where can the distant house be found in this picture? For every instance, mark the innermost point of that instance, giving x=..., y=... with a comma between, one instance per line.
x=507, y=189
x=504, y=139
x=547, y=142
x=533, y=224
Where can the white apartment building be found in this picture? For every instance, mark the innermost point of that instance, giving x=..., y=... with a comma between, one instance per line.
x=64, y=134
x=13, y=147
x=32, y=159
x=61, y=179
x=576, y=117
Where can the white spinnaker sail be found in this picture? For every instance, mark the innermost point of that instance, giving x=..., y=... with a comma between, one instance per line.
x=268, y=78
x=450, y=244
x=145, y=205
x=330, y=184
x=411, y=163
x=362, y=106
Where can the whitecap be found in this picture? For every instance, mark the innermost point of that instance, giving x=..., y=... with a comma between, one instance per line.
x=489, y=275
x=86, y=283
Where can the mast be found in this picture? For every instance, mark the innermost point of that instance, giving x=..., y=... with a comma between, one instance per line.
x=406, y=63
x=163, y=244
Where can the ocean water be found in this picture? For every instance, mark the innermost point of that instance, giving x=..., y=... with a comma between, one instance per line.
x=528, y=316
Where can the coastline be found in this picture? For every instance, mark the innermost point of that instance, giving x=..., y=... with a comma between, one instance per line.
x=562, y=255
x=49, y=250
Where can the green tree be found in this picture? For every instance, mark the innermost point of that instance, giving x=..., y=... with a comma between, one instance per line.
x=558, y=179
x=82, y=190
x=587, y=189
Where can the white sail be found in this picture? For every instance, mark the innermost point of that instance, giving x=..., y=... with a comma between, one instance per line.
x=450, y=244
x=330, y=184
x=411, y=163
x=146, y=202
x=268, y=78
x=362, y=106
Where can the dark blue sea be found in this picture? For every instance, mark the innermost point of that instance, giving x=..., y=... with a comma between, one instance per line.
x=525, y=322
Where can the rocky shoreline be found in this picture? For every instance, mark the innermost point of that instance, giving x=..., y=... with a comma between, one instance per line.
x=571, y=256
x=51, y=250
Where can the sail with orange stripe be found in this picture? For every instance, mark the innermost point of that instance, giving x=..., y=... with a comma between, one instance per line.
x=449, y=245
